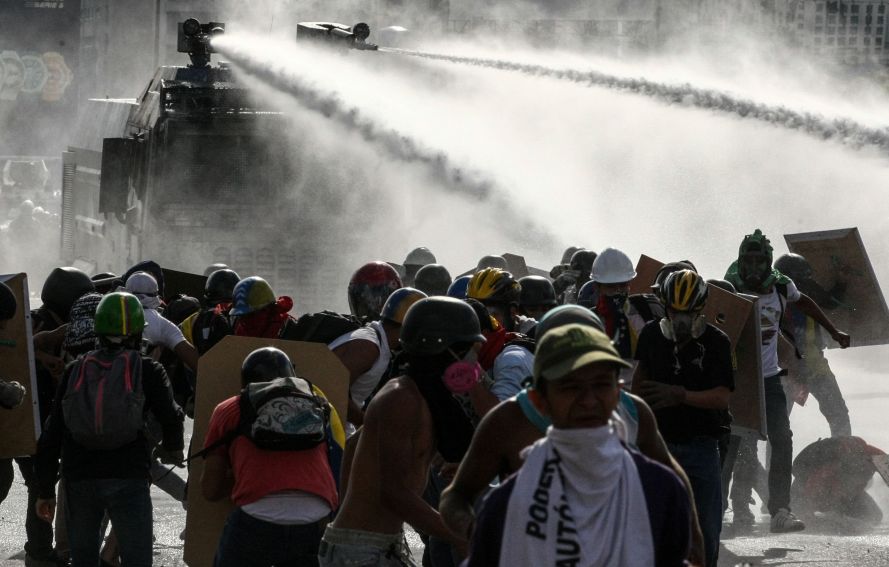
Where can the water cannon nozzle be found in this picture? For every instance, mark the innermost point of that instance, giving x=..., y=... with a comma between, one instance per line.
x=196, y=38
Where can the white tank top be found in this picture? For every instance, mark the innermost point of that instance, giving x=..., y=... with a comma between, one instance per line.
x=365, y=384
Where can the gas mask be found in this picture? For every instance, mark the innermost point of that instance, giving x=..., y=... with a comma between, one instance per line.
x=754, y=269
x=463, y=374
x=682, y=326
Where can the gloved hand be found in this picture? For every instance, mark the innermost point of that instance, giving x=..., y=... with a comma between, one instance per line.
x=168, y=457
x=660, y=395
x=11, y=394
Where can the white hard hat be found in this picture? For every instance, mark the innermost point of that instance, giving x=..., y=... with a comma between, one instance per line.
x=142, y=283
x=612, y=266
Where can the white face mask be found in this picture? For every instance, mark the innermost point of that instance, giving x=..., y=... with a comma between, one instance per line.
x=682, y=326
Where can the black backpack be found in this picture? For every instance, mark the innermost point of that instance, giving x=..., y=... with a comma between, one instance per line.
x=648, y=306
x=282, y=415
x=208, y=328
x=322, y=327
x=103, y=405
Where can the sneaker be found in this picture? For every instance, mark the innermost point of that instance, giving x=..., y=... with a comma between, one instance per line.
x=784, y=521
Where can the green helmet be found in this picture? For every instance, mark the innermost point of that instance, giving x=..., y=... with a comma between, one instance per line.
x=119, y=314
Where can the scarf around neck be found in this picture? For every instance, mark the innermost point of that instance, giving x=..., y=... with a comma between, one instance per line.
x=578, y=501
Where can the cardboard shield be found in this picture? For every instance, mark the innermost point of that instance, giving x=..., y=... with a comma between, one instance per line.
x=646, y=270
x=20, y=427
x=176, y=282
x=839, y=257
x=748, y=402
x=219, y=378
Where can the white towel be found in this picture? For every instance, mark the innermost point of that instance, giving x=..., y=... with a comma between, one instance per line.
x=577, y=501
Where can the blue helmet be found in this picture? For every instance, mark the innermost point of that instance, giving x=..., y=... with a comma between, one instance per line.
x=588, y=295
x=459, y=287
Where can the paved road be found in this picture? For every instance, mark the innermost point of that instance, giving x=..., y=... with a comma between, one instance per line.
x=757, y=548
x=864, y=385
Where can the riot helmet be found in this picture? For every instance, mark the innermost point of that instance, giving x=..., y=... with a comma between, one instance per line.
x=265, y=364
x=220, y=286
x=492, y=262
x=434, y=324
x=433, y=279
x=399, y=302
x=794, y=266
x=457, y=290
x=63, y=287
x=370, y=287
x=566, y=315
x=251, y=294
x=119, y=314
x=582, y=261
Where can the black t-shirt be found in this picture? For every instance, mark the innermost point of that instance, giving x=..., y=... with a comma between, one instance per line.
x=701, y=364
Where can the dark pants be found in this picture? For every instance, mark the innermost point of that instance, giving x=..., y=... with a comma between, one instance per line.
x=699, y=458
x=249, y=542
x=823, y=386
x=128, y=503
x=781, y=441
x=38, y=531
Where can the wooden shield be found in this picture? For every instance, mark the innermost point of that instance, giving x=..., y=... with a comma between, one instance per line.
x=176, y=282
x=219, y=378
x=839, y=256
x=20, y=427
x=646, y=269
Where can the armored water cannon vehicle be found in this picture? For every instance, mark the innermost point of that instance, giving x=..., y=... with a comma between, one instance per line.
x=200, y=168
x=354, y=37
x=196, y=39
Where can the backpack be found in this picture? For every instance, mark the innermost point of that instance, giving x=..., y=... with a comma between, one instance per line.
x=103, y=405
x=648, y=306
x=209, y=327
x=284, y=414
x=322, y=327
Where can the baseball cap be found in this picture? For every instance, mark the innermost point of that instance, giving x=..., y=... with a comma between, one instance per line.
x=566, y=348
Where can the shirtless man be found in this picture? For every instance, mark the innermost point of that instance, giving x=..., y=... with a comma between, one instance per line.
x=411, y=419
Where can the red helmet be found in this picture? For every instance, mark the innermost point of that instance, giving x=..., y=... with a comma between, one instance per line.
x=369, y=288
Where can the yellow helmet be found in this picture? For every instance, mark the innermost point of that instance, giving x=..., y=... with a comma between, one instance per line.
x=684, y=290
x=494, y=285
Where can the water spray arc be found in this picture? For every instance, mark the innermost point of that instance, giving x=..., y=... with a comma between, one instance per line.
x=843, y=130
x=395, y=145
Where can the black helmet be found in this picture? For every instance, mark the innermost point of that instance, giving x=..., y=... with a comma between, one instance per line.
x=181, y=308
x=214, y=268
x=668, y=269
x=8, y=304
x=795, y=266
x=63, y=287
x=433, y=279
x=433, y=324
x=569, y=253
x=723, y=284
x=220, y=285
x=491, y=262
x=537, y=290
x=582, y=261
x=566, y=315
x=266, y=364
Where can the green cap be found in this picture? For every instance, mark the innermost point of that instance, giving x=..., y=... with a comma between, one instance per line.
x=566, y=348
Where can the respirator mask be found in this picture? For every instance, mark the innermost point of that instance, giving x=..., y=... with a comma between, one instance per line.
x=683, y=326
